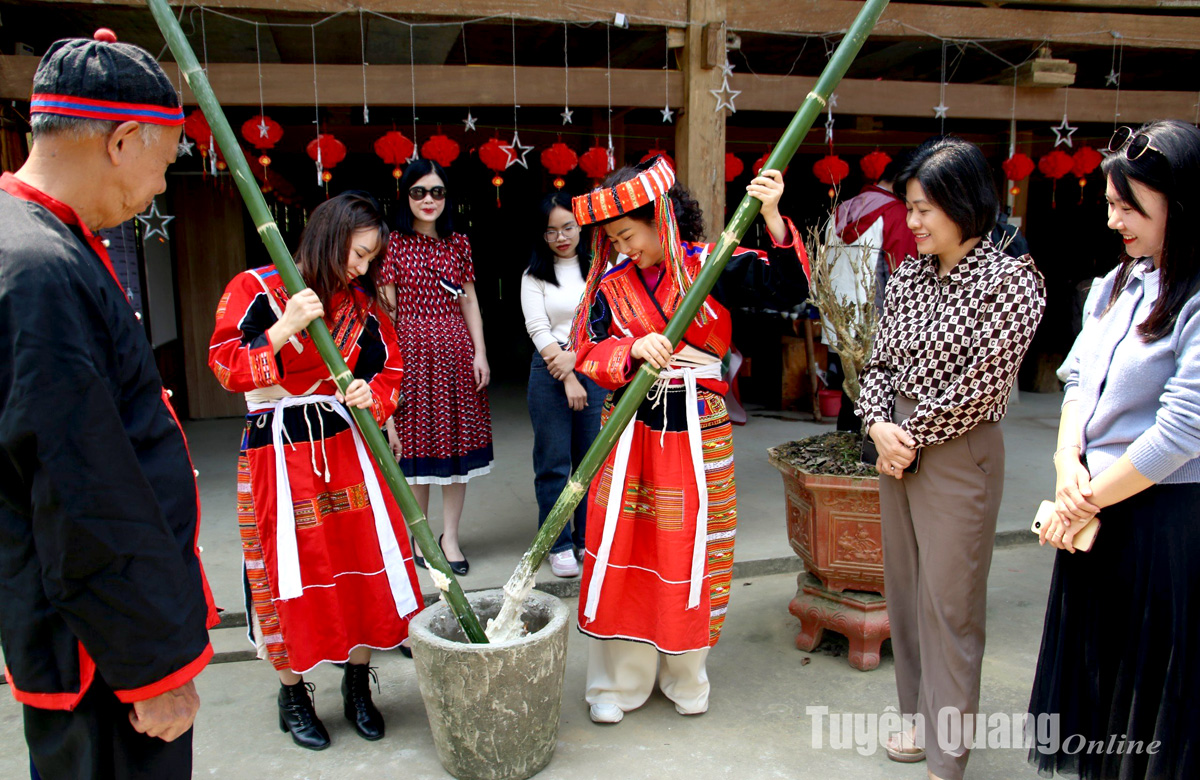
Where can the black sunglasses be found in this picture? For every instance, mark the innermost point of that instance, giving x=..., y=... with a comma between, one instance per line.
x=419, y=193
x=1134, y=144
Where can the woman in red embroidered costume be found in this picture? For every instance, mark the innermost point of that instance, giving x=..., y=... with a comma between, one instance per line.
x=442, y=433
x=328, y=570
x=659, y=553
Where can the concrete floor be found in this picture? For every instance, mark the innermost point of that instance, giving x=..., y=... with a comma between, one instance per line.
x=757, y=726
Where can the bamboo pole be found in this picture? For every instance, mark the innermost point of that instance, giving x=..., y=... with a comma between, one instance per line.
x=197, y=81
x=522, y=579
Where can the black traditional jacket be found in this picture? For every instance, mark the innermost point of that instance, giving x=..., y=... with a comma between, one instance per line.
x=99, y=566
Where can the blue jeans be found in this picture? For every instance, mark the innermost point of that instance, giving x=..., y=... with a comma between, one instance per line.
x=561, y=437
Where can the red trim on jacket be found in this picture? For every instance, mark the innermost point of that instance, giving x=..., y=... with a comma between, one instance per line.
x=170, y=682
x=58, y=701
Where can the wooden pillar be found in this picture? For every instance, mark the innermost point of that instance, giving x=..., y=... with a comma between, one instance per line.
x=700, y=129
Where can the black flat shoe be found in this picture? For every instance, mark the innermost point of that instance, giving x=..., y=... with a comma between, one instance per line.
x=406, y=651
x=458, y=567
x=417, y=559
x=356, y=697
x=298, y=716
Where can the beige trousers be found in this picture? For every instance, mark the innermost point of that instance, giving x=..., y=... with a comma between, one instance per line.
x=621, y=672
x=939, y=527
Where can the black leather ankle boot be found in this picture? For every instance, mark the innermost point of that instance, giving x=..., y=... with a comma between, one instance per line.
x=356, y=695
x=297, y=715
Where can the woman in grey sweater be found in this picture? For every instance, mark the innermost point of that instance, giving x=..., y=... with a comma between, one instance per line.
x=1118, y=658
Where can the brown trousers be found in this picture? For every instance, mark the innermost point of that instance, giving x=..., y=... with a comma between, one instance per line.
x=939, y=527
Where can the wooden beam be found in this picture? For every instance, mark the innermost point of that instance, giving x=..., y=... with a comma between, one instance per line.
x=488, y=85
x=903, y=20
x=700, y=130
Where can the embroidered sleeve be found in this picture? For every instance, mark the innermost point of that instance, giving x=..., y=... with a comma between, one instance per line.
x=603, y=358
x=240, y=353
x=1007, y=322
x=385, y=385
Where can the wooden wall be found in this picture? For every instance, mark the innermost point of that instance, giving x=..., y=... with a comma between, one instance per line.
x=210, y=246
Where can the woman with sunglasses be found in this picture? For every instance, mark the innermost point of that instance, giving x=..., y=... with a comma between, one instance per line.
x=563, y=405
x=1118, y=659
x=327, y=571
x=442, y=431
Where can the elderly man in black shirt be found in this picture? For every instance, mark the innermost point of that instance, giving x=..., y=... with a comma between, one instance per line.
x=104, y=608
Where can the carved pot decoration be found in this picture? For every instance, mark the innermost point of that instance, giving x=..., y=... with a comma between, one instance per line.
x=833, y=524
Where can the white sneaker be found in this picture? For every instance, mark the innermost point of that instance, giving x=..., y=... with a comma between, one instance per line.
x=606, y=713
x=682, y=711
x=563, y=564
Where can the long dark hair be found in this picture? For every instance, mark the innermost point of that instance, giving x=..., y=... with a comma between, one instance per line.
x=541, y=263
x=417, y=170
x=688, y=214
x=325, y=245
x=1172, y=170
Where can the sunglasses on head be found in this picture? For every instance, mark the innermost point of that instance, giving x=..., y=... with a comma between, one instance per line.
x=419, y=193
x=1134, y=144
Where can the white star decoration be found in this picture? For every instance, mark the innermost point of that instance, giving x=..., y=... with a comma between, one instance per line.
x=667, y=114
x=725, y=96
x=833, y=100
x=517, y=152
x=154, y=222
x=1059, y=137
x=185, y=147
x=416, y=155
x=726, y=69
x=469, y=122
x=939, y=111
x=566, y=115
x=829, y=128
x=262, y=128
x=1112, y=79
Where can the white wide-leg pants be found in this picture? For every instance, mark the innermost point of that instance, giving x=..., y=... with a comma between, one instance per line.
x=621, y=672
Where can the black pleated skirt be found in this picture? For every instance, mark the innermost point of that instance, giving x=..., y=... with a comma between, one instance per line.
x=1120, y=656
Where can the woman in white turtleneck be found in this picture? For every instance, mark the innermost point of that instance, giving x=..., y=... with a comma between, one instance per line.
x=563, y=405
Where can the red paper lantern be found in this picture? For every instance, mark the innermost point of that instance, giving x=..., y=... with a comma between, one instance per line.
x=760, y=163
x=733, y=167
x=873, y=164
x=495, y=155
x=1017, y=167
x=596, y=162
x=831, y=169
x=441, y=149
x=559, y=160
x=650, y=155
x=1086, y=159
x=394, y=148
x=252, y=132
x=327, y=152
x=1056, y=164
x=196, y=127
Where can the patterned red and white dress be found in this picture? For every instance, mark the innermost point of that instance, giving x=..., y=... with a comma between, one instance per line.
x=445, y=426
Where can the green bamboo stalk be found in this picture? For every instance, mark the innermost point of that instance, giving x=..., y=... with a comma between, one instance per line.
x=317, y=330
x=636, y=391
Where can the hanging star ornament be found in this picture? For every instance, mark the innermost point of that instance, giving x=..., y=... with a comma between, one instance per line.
x=469, y=122
x=1063, y=133
x=517, y=152
x=185, y=147
x=726, y=69
x=939, y=111
x=1112, y=79
x=154, y=222
x=566, y=115
x=829, y=129
x=725, y=96
x=263, y=130
x=667, y=114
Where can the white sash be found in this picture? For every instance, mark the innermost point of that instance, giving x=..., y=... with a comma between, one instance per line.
x=287, y=554
x=616, y=490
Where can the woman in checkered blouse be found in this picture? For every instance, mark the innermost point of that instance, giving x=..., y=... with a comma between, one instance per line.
x=957, y=321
